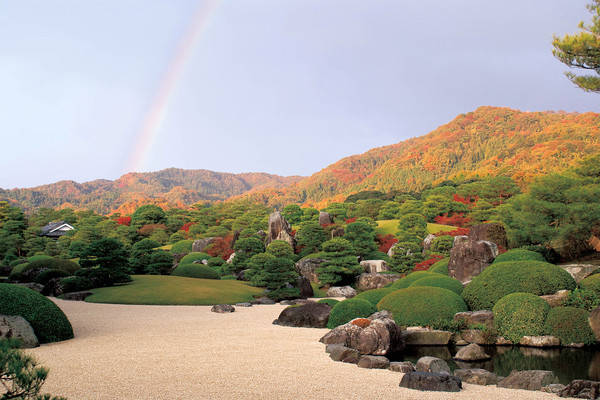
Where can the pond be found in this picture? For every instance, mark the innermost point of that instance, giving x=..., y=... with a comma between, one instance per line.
x=566, y=363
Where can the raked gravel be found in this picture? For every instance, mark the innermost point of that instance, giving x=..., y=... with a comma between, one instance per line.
x=188, y=352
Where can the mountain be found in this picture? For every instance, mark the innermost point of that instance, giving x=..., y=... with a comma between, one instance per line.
x=487, y=141
x=168, y=187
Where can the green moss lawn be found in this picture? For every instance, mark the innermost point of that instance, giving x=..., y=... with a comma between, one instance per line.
x=175, y=290
x=391, y=227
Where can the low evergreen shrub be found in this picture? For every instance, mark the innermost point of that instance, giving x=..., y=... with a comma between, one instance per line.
x=410, y=278
x=76, y=284
x=520, y=314
x=440, y=281
x=375, y=295
x=45, y=276
x=347, y=310
x=195, y=271
x=182, y=247
x=440, y=267
x=519, y=255
x=591, y=283
x=195, y=256
x=570, y=325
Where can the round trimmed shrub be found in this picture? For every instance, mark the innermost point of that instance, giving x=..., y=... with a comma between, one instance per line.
x=194, y=256
x=329, y=302
x=346, y=310
x=591, y=283
x=519, y=255
x=17, y=271
x=375, y=295
x=38, y=257
x=422, y=305
x=440, y=281
x=498, y=280
x=195, y=271
x=47, y=320
x=520, y=314
x=440, y=267
x=570, y=325
x=182, y=247
x=47, y=274
x=76, y=284
x=409, y=279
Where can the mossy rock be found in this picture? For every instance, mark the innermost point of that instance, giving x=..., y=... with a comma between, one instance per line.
x=519, y=255
x=570, y=325
x=346, y=310
x=195, y=271
x=375, y=295
x=520, y=314
x=440, y=281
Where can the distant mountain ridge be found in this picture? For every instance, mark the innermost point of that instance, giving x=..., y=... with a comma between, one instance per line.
x=170, y=187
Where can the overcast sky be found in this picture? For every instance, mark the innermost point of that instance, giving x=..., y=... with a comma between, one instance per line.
x=281, y=86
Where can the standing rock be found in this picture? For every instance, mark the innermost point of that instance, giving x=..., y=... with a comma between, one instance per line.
x=477, y=376
x=306, y=289
x=223, y=308
x=428, y=381
x=491, y=232
x=581, y=389
x=309, y=315
x=375, y=281
x=484, y=317
x=341, y=291
x=199, y=245
x=374, y=266
x=374, y=362
x=432, y=364
x=540, y=341
x=342, y=353
x=469, y=257
x=528, y=380
x=17, y=327
x=595, y=322
x=307, y=267
x=472, y=352
x=376, y=337
x=427, y=242
x=279, y=229
x=325, y=218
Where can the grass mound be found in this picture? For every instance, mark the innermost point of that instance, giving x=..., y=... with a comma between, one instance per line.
x=375, y=295
x=444, y=282
x=49, y=323
x=570, y=325
x=195, y=271
x=346, y=310
x=520, y=314
x=440, y=267
x=410, y=279
x=519, y=255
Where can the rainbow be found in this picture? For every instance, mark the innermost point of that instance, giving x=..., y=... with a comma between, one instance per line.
x=157, y=111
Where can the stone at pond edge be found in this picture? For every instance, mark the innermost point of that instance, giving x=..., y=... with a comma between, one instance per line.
x=222, y=308
x=368, y=281
x=309, y=315
x=402, y=366
x=472, y=352
x=376, y=337
x=417, y=336
x=432, y=364
x=17, y=327
x=341, y=291
x=485, y=317
x=477, y=376
x=528, y=380
x=540, y=341
x=374, y=362
x=595, y=322
x=582, y=389
x=337, y=352
x=476, y=336
x=427, y=381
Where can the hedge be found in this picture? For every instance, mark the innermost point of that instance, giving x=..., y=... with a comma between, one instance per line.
x=47, y=320
x=440, y=267
x=440, y=281
x=498, y=280
x=195, y=271
x=409, y=279
x=520, y=314
x=570, y=325
x=422, y=306
x=519, y=255
x=591, y=283
x=375, y=295
x=195, y=256
x=346, y=310
x=182, y=247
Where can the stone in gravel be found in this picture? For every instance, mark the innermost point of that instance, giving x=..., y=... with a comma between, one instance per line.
x=341, y=291
x=417, y=336
x=472, y=352
x=402, y=366
x=223, y=308
x=337, y=352
x=77, y=296
x=477, y=376
x=432, y=364
x=309, y=315
x=374, y=362
x=16, y=327
x=581, y=389
x=485, y=317
x=243, y=305
x=428, y=381
x=540, y=341
x=263, y=300
x=528, y=380
x=554, y=388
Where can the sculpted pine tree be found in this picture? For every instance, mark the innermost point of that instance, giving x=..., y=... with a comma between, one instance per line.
x=582, y=51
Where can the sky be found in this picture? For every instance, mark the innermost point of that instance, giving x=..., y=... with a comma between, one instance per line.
x=97, y=88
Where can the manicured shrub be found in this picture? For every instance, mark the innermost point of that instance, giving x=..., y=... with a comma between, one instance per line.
x=422, y=305
x=591, y=283
x=585, y=299
x=17, y=271
x=47, y=320
x=28, y=272
x=195, y=271
x=410, y=278
x=45, y=276
x=442, y=244
x=97, y=277
x=347, y=310
x=570, y=325
x=75, y=284
x=38, y=257
x=375, y=295
x=330, y=302
x=182, y=247
x=440, y=267
x=440, y=281
x=195, y=256
x=520, y=314
x=519, y=255
x=498, y=280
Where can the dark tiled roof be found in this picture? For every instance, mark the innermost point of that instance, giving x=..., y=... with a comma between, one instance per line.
x=51, y=226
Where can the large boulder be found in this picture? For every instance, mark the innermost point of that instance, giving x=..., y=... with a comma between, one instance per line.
x=483, y=317
x=528, y=380
x=341, y=291
x=540, y=341
x=581, y=389
x=491, y=232
x=595, y=323
x=374, y=362
x=309, y=315
x=374, y=266
x=306, y=290
x=579, y=271
x=199, y=245
x=432, y=364
x=279, y=229
x=469, y=257
x=325, y=218
x=307, y=267
x=417, y=336
x=428, y=381
x=375, y=281
x=376, y=337
x=472, y=352
x=16, y=327
x=477, y=376
x=338, y=352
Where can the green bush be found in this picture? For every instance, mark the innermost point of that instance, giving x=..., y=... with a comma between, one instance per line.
x=591, y=283
x=38, y=258
x=442, y=244
x=410, y=278
x=422, y=305
x=45, y=276
x=195, y=256
x=75, y=284
x=375, y=295
x=520, y=314
x=195, y=271
x=498, y=280
x=585, y=299
x=330, y=302
x=347, y=310
x=29, y=272
x=519, y=255
x=182, y=247
x=440, y=267
x=440, y=281
x=47, y=320
x=570, y=325
x=17, y=271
